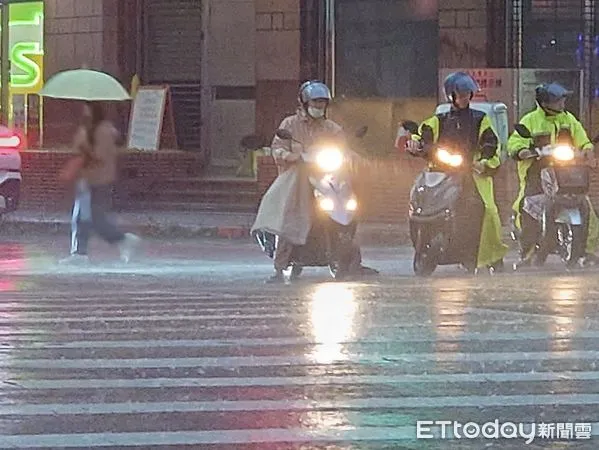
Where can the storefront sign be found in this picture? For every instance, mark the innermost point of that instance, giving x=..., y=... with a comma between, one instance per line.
x=26, y=41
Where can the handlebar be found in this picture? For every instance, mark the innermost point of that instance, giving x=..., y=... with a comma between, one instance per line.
x=549, y=150
x=552, y=153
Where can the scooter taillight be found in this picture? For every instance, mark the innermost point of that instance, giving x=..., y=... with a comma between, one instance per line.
x=12, y=142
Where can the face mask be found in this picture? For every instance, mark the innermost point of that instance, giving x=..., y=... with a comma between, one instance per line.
x=316, y=113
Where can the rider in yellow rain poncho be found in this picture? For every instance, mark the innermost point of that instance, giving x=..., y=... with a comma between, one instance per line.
x=470, y=130
x=548, y=124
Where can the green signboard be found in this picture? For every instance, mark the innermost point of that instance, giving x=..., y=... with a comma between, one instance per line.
x=26, y=42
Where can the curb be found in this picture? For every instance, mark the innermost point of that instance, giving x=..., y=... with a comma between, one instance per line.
x=8, y=228
x=367, y=234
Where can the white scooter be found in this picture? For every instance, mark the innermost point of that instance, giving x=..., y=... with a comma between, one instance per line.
x=330, y=241
x=10, y=169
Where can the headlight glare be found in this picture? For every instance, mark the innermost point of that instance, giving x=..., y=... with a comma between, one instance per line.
x=352, y=204
x=563, y=153
x=326, y=204
x=329, y=159
x=451, y=159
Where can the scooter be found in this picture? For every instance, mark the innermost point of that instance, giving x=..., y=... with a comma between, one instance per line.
x=330, y=242
x=445, y=211
x=562, y=208
x=10, y=169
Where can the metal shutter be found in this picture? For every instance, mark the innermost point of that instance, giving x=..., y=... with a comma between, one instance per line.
x=173, y=40
x=173, y=52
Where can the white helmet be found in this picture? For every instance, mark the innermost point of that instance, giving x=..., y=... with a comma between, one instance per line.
x=313, y=90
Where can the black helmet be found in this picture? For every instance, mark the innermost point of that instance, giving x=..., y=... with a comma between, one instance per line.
x=550, y=93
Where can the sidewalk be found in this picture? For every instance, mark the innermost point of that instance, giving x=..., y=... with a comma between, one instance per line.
x=182, y=224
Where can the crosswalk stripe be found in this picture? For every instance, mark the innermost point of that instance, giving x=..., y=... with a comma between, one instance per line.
x=302, y=405
x=494, y=377
x=30, y=343
x=261, y=361
x=259, y=436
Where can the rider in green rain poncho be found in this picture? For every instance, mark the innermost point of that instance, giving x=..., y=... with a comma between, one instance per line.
x=470, y=130
x=548, y=124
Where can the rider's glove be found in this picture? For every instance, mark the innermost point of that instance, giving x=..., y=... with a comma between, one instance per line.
x=479, y=167
x=527, y=153
x=414, y=147
x=538, y=153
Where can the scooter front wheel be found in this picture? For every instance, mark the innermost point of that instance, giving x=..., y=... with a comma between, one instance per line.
x=336, y=272
x=571, y=243
x=340, y=269
x=424, y=263
x=342, y=252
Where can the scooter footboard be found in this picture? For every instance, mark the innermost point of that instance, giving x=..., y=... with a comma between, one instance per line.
x=431, y=219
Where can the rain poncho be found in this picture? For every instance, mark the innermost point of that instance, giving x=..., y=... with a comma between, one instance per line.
x=473, y=130
x=287, y=207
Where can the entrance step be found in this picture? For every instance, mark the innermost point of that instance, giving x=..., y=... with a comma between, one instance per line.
x=160, y=205
x=210, y=184
x=221, y=196
x=229, y=194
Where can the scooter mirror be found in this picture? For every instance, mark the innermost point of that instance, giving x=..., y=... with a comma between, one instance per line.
x=252, y=142
x=522, y=130
x=284, y=134
x=362, y=132
x=411, y=126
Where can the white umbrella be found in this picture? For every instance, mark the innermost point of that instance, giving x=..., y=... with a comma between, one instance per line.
x=85, y=84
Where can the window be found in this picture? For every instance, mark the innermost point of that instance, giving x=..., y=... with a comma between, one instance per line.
x=386, y=48
x=553, y=34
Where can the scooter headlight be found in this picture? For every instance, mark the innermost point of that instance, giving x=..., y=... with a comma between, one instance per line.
x=563, y=153
x=352, y=204
x=326, y=204
x=450, y=159
x=329, y=159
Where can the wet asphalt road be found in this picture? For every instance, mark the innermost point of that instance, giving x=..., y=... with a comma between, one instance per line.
x=186, y=348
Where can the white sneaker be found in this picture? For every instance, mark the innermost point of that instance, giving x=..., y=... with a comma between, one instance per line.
x=75, y=259
x=128, y=246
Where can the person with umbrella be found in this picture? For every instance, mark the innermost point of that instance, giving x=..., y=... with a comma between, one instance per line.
x=95, y=167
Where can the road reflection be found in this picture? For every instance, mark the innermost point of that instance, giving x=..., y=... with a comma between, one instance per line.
x=565, y=305
x=449, y=313
x=333, y=311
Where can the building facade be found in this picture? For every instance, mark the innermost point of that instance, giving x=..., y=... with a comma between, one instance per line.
x=234, y=65
x=229, y=63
